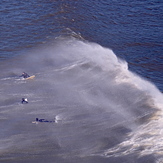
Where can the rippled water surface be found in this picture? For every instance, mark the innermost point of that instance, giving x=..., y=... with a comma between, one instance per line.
x=98, y=73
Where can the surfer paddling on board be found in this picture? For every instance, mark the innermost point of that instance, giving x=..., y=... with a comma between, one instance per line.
x=43, y=120
x=25, y=75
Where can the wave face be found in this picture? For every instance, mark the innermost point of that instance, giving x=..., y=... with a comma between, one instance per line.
x=104, y=111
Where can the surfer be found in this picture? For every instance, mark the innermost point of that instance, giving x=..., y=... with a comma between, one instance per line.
x=24, y=100
x=24, y=75
x=43, y=120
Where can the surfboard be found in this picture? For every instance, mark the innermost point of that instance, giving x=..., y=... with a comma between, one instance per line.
x=31, y=77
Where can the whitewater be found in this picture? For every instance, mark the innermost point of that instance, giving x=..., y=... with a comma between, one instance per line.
x=104, y=111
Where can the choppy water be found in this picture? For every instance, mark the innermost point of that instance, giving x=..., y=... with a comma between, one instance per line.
x=105, y=111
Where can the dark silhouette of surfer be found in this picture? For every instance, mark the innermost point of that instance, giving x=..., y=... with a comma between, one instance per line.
x=43, y=120
x=24, y=100
x=25, y=75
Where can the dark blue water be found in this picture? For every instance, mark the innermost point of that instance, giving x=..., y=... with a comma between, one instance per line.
x=133, y=29
x=105, y=100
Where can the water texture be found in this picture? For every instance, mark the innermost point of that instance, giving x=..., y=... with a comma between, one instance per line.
x=98, y=74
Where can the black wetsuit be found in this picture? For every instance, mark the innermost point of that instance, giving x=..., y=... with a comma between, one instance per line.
x=43, y=120
x=24, y=75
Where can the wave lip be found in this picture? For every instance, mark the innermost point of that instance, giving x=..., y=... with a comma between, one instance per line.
x=97, y=99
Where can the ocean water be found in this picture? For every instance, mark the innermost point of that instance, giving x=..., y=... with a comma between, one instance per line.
x=98, y=74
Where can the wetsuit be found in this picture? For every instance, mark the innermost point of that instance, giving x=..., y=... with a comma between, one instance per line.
x=24, y=75
x=43, y=120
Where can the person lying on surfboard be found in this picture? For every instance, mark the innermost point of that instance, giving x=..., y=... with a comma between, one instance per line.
x=43, y=120
x=25, y=75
